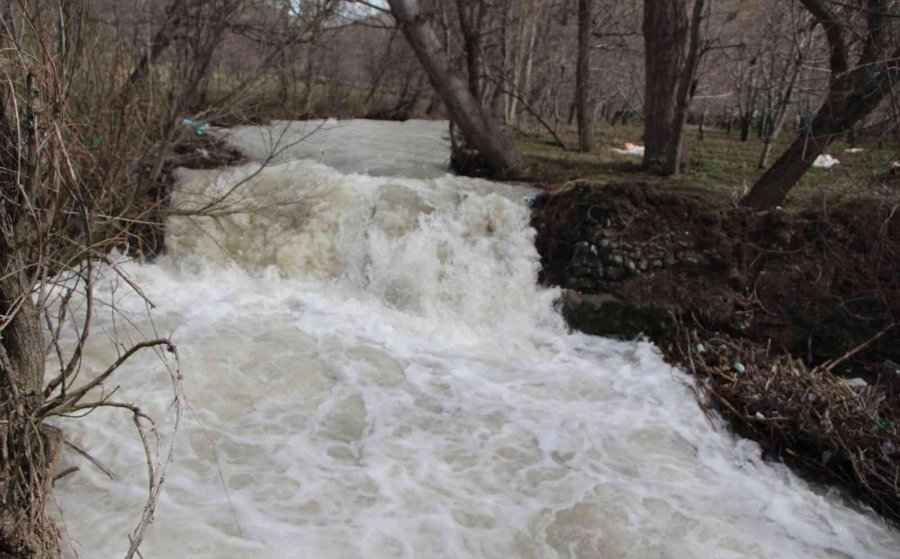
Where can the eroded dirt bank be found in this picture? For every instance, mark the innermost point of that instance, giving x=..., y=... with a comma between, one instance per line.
x=787, y=318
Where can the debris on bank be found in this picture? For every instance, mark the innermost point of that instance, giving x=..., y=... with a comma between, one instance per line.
x=838, y=430
x=825, y=161
x=630, y=149
x=789, y=320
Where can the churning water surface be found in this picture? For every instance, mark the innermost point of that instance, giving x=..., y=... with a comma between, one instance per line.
x=372, y=372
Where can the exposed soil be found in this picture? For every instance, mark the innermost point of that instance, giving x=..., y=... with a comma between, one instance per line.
x=815, y=283
x=746, y=300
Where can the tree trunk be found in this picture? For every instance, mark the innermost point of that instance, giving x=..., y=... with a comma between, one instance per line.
x=853, y=93
x=665, y=28
x=686, y=89
x=499, y=152
x=845, y=106
x=29, y=450
x=470, y=24
x=746, y=125
x=583, y=76
x=522, y=57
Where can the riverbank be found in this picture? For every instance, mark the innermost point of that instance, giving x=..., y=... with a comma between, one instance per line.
x=787, y=318
x=745, y=301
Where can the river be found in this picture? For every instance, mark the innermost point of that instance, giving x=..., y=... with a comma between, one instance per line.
x=372, y=372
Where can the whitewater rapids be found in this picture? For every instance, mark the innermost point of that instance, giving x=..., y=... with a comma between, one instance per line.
x=372, y=372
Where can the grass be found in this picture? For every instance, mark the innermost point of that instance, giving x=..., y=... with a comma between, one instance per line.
x=720, y=164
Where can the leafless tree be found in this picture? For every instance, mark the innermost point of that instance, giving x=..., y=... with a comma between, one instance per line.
x=500, y=153
x=583, y=77
x=864, y=45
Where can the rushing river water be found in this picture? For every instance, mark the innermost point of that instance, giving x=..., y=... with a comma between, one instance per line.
x=372, y=372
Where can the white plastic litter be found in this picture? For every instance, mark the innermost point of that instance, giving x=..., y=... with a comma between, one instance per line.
x=630, y=149
x=825, y=161
x=856, y=383
x=854, y=150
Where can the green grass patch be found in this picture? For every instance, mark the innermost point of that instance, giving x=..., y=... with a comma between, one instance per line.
x=720, y=163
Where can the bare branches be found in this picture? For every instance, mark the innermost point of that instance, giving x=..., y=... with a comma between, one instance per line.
x=834, y=31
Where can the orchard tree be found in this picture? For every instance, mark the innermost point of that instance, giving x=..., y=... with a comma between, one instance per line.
x=864, y=47
x=583, y=76
x=673, y=47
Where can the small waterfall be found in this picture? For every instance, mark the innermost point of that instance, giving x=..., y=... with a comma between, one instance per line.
x=373, y=372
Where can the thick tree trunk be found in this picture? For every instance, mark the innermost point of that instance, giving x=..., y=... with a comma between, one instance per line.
x=771, y=189
x=685, y=94
x=29, y=450
x=665, y=30
x=583, y=76
x=500, y=153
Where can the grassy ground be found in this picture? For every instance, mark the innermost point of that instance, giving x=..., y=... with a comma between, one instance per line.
x=721, y=164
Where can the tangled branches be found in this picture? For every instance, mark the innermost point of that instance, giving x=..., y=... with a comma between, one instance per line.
x=835, y=430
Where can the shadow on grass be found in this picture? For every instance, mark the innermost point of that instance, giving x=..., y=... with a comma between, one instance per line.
x=622, y=166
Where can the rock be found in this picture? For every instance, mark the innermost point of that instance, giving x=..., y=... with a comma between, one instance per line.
x=583, y=254
x=581, y=271
x=614, y=273
x=607, y=315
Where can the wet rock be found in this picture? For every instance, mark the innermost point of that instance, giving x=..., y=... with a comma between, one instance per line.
x=614, y=273
x=608, y=315
x=581, y=271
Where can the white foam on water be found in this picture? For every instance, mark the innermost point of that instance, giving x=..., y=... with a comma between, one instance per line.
x=373, y=372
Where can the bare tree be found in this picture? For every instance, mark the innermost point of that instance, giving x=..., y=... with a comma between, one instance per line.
x=500, y=153
x=583, y=76
x=855, y=89
x=687, y=86
x=665, y=28
x=787, y=37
